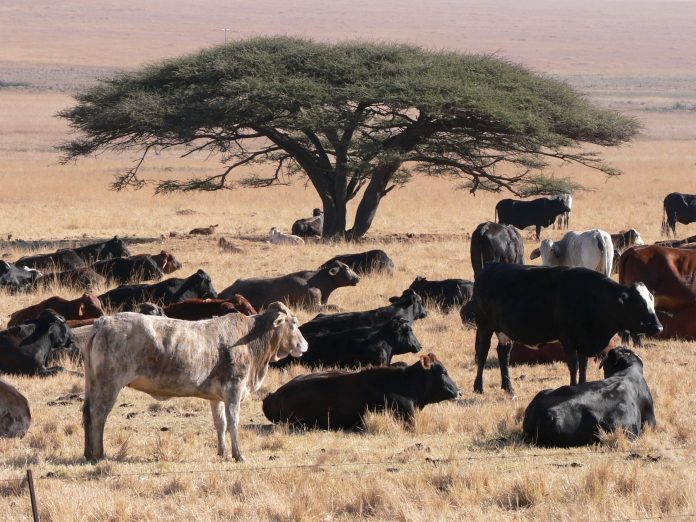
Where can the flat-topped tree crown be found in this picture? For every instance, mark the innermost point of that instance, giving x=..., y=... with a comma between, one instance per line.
x=358, y=119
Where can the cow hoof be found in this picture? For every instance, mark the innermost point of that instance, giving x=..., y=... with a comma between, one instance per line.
x=240, y=458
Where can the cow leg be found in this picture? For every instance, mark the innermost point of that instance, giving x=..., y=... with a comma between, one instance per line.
x=572, y=355
x=233, y=399
x=504, y=350
x=220, y=422
x=583, y=369
x=538, y=232
x=99, y=400
x=483, y=344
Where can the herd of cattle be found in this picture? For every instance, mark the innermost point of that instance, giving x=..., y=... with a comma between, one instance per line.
x=180, y=338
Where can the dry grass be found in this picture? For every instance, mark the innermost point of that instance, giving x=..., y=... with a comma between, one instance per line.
x=464, y=459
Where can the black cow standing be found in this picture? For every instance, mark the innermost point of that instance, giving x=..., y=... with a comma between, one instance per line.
x=495, y=243
x=581, y=308
x=26, y=349
x=340, y=400
x=574, y=415
x=541, y=212
x=680, y=208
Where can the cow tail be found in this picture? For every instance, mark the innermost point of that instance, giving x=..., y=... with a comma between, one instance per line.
x=496, y=214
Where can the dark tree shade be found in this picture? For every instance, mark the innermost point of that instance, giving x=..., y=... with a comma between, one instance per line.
x=356, y=118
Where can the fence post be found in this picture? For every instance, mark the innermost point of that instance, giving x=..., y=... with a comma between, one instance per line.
x=32, y=494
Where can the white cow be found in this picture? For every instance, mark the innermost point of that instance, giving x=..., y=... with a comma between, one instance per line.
x=220, y=359
x=278, y=238
x=591, y=249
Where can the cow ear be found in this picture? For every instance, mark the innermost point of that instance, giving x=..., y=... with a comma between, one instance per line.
x=280, y=319
x=81, y=310
x=394, y=299
x=623, y=297
x=425, y=361
x=556, y=250
x=333, y=271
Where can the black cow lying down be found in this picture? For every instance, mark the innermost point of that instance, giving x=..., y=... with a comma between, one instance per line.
x=366, y=262
x=573, y=415
x=365, y=346
x=581, y=308
x=172, y=290
x=26, y=349
x=339, y=400
x=409, y=306
x=446, y=293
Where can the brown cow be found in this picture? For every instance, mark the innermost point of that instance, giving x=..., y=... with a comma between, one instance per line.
x=85, y=307
x=197, y=309
x=15, y=416
x=204, y=231
x=679, y=324
x=165, y=260
x=669, y=273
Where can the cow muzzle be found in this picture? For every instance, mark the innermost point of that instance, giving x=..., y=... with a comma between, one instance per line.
x=300, y=348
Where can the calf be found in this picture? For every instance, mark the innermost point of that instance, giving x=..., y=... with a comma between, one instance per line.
x=204, y=231
x=622, y=241
x=574, y=415
x=278, y=238
x=85, y=307
x=114, y=247
x=310, y=227
x=16, y=279
x=84, y=279
x=165, y=260
x=197, y=309
x=166, y=292
x=124, y=270
x=221, y=360
x=340, y=400
x=365, y=346
x=409, y=306
x=372, y=261
x=591, y=249
x=65, y=259
x=541, y=212
x=495, y=243
x=445, y=294
x=15, y=416
x=27, y=348
x=309, y=288
x=580, y=308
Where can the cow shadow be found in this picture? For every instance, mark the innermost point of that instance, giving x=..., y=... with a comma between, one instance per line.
x=510, y=440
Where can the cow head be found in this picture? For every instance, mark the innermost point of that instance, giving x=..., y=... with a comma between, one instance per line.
x=341, y=274
x=638, y=310
x=59, y=334
x=114, y=247
x=242, y=305
x=436, y=383
x=550, y=252
x=317, y=212
x=561, y=203
x=285, y=336
x=411, y=303
x=204, y=285
x=273, y=233
x=167, y=262
x=619, y=359
x=401, y=335
x=418, y=283
x=151, y=309
x=90, y=307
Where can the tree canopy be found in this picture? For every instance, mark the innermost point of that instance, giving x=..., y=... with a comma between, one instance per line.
x=356, y=118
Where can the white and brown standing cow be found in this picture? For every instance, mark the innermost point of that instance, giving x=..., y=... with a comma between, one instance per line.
x=220, y=359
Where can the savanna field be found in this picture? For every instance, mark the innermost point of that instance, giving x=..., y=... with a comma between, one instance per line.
x=465, y=459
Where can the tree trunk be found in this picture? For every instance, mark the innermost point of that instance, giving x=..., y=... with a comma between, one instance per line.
x=367, y=209
x=334, y=218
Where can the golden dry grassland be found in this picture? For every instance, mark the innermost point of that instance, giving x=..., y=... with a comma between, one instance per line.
x=465, y=459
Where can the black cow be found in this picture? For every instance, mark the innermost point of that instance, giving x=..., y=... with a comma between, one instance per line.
x=573, y=415
x=340, y=400
x=125, y=270
x=17, y=279
x=366, y=262
x=64, y=259
x=364, y=346
x=409, y=306
x=310, y=227
x=581, y=308
x=541, y=212
x=114, y=247
x=173, y=290
x=446, y=293
x=495, y=243
x=680, y=208
x=27, y=349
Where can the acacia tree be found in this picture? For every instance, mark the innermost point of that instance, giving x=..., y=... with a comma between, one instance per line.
x=357, y=119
